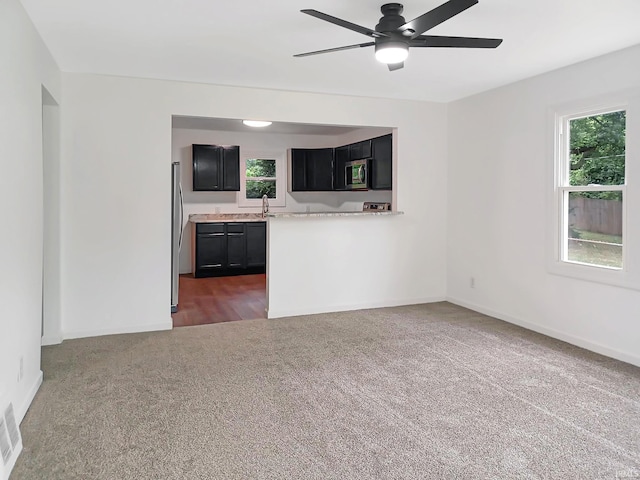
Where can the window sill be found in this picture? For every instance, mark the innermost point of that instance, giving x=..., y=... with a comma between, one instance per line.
x=603, y=275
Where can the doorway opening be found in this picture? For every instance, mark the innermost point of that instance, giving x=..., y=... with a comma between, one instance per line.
x=51, y=307
x=205, y=148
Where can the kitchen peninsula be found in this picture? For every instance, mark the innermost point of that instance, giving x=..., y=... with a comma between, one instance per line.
x=332, y=261
x=340, y=257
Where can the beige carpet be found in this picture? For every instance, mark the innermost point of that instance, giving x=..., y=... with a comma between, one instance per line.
x=420, y=392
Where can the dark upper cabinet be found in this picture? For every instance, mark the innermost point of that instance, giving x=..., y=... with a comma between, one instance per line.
x=341, y=157
x=216, y=168
x=231, y=168
x=256, y=235
x=311, y=169
x=323, y=169
x=206, y=167
x=360, y=150
x=381, y=166
x=298, y=169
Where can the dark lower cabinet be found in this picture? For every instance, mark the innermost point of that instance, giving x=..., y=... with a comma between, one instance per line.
x=216, y=167
x=231, y=248
x=381, y=166
x=311, y=169
x=211, y=242
x=256, y=234
x=236, y=246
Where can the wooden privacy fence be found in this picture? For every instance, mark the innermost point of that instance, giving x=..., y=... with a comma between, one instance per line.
x=596, y=215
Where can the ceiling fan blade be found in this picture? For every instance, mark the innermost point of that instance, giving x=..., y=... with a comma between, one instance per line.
x=337, y=49
x=436, y=16
x=395, y=66
x=343, y=23
x=454, y=42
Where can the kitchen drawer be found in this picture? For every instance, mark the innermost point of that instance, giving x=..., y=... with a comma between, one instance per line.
x=210, y=228
x=235, y=228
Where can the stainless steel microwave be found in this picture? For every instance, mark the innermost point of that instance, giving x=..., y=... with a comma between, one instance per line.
x=356, y=175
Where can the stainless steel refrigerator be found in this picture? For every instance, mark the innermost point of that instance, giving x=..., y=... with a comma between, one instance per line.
x=177, y=214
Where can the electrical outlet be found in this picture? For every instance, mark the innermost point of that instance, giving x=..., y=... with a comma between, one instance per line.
x=472, y=282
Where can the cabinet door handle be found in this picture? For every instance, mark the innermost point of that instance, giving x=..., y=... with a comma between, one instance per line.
x=211, y=265
x=235, y=234
x=211, y=234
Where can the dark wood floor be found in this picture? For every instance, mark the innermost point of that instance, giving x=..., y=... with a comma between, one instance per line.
x=220, y=299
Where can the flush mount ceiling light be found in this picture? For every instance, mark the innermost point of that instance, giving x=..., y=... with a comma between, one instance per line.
x=392, y=52
x=256, y=123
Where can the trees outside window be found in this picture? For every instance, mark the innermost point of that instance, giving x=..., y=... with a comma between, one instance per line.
x=260, y=178
x=591, y=188
x=262, y=173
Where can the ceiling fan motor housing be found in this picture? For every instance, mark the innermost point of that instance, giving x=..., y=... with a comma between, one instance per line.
x=389, y=24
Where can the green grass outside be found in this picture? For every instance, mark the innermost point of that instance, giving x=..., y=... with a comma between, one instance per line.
x=599, y=237
x=595, y=253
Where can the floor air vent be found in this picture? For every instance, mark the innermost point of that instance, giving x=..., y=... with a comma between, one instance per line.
x=10, y=441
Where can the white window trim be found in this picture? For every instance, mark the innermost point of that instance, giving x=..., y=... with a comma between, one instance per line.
x=559, y=116
x=281, y=178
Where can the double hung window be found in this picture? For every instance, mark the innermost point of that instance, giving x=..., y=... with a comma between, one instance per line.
x=591, y=187
x=262, y=173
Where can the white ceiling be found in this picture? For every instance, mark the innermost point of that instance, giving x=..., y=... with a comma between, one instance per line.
x=252, y=42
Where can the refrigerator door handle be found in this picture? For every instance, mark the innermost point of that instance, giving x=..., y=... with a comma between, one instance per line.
x=181, y=215
x=176, y=235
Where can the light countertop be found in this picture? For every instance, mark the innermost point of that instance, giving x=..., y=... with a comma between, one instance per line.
x=330, y=214
x=257, y=217
x=226, y=217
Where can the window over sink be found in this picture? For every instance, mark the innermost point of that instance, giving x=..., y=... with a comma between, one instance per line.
x=262, y=173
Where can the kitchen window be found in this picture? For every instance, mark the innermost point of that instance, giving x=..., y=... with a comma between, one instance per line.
x=262, y=173
x=592, y=193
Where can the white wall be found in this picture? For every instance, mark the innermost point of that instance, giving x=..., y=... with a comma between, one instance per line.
x=116, y=190
x=26, y=67
x=498, y=215
x=227, y=202
x=331, y=264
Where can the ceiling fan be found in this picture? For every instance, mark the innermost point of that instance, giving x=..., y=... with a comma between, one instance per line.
x=393, y=36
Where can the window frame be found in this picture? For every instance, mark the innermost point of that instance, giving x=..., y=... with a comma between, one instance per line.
x=281, y=178
x=565, y=188
x=559, y=118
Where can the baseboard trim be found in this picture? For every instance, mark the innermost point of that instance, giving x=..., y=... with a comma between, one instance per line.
x=348, y=308
x=153, y=327
x=550, y=332
x=21, y=411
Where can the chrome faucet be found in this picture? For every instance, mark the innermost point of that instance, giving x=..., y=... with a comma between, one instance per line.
x=265, y=205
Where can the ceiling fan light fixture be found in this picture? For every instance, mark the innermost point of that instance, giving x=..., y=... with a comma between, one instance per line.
x=393, y=35
x=256, y=123
x=392, y=52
